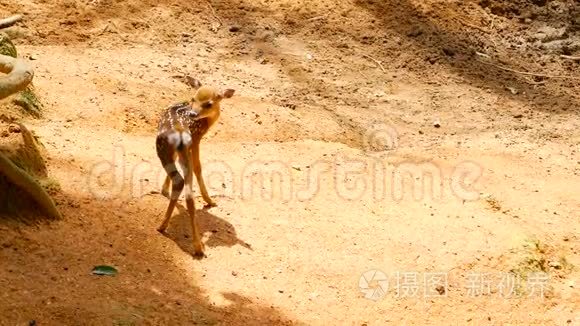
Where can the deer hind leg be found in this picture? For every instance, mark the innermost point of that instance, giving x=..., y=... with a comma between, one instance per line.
x=199, y=176
x=186, y=164
x=176, y=190
x=165, y=188
x=167, y=183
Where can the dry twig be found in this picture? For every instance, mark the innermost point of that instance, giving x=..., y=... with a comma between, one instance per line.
x=533, y=82
x=363, y=75
x=108, y=28
x=379, y=63
x=472, y=25
x=569, y=57
x=317, y=18
x=214, y=14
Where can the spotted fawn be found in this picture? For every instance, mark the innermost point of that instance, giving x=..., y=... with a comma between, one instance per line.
x=181, y=128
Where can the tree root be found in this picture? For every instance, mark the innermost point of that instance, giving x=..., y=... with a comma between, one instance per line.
x=27, y=183
x=18, y=78
x=7, y=22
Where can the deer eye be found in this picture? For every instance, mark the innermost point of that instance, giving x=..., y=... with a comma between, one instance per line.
x=207, y=105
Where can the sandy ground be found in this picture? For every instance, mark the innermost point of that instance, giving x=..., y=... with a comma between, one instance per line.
x=397, y=193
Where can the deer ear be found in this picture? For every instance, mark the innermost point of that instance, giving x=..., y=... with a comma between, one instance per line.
x=228, y=93
x=194, y=83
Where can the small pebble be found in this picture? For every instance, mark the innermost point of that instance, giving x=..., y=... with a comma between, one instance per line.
x=512, y=90
x=555, y=264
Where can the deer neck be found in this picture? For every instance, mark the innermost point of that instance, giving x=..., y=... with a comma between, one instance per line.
x=211, y=119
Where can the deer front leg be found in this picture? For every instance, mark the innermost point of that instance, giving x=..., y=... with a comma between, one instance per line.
x=186, y=164
x=198, y=246
x=199, y=177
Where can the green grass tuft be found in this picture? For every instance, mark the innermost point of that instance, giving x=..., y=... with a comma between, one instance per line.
x=29, y=102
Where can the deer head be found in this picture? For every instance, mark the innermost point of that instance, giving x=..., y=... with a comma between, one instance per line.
x=206, y=100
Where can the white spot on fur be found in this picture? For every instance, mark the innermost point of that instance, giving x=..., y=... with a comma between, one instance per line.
x=186, y=138
x=174, y=139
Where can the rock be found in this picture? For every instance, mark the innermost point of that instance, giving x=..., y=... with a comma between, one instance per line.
x=436, y=123
x=555, y=265
x=539, y=3
x=15, y=129
x=265, y=36
x=548, y=34
x=155, y=290
x=416, y=31
x=234, y=28
x=560, y=46
x=432, y=59
x=448, y=51
x=512, y=90
x=518, y=115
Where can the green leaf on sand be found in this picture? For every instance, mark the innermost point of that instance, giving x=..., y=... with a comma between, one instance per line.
x=105, y=270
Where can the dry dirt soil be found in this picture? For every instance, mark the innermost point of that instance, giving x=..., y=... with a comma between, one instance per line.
x=424, y=159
